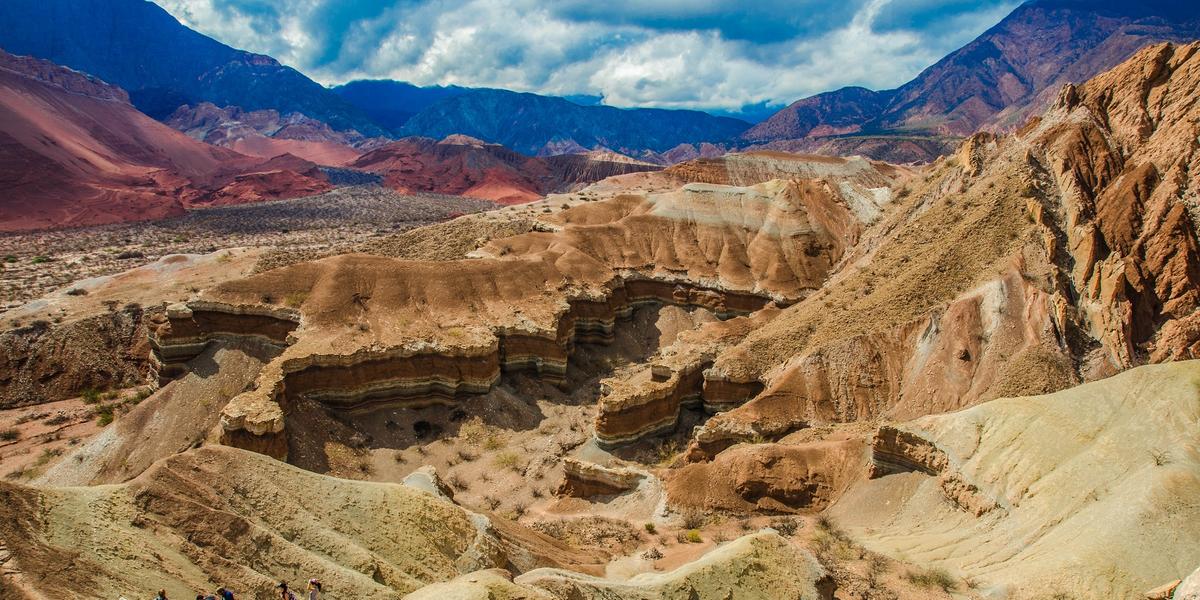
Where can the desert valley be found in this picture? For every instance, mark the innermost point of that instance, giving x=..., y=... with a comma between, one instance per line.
x=460, y=342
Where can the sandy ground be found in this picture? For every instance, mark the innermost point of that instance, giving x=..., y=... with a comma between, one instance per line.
x=45, y=433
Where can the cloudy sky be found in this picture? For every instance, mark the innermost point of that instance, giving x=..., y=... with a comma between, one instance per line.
x=707, y=54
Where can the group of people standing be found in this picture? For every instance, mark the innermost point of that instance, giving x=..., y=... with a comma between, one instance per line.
x=313, y=592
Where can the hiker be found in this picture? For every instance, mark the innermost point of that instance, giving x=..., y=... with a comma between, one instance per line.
x=314, y=589
x=284, y=592
x=224, y=594
x=162, y=595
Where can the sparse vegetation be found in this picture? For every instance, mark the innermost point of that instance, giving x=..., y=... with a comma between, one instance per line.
x=104, y=415
x=90, y=395
x=667, y=452
x=932, y=578
x=693, y=536
x=295, y=299
x=11, y=434
x=785, y=526
x=57, y=419
x=508, y=460
x=649, y=527
x=1160, y=457
x=693, y=519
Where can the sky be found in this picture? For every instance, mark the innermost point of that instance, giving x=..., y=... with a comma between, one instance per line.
x=720, y=55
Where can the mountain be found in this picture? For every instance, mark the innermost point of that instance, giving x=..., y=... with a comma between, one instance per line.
x=138, y=46
x=75, y=152
x=392, y=103
x=465, y=166
x=528, y=123
x=1008, y=73
x=266, y=133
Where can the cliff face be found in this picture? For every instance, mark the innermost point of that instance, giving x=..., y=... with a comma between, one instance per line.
x=425, y=332
x=1025, y=264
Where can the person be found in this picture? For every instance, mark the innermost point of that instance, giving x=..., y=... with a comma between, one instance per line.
x=162, y=595
x=314, y=589
x=224, y=594
x=284, y=592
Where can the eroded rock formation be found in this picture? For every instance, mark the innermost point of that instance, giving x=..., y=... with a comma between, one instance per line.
x=378, y=329
x=1025, y=264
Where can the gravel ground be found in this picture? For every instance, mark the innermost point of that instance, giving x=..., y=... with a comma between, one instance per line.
x=36, y=263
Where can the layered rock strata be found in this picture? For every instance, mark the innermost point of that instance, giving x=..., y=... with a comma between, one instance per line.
x=583, y=479
x=1024, y=264
x=372, y=329
x=648, y=399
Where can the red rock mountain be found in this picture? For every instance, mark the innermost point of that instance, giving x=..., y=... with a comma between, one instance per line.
x=74, y=152
x=266, y=133
x=995, y=82
x=465, y=166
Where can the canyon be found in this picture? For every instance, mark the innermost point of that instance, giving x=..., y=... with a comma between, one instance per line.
x=756, y=374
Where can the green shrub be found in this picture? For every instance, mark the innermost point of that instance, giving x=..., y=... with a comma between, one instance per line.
x=104, y=415
x=693, y=536
x=90, y=395
x=932, y=578
x=11, y=434
x=650, y=528
x=508, y=460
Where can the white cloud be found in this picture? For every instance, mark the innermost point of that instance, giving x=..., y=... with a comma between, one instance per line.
x=650, y=60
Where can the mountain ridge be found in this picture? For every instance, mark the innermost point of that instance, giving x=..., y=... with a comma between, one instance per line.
x=112, y=39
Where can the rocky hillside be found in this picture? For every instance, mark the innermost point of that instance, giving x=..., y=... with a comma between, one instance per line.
x=465, y=166
x=78, y=153
x=138, y=46
x=995, y=82
x=266, y=133
x=1025, y=264
x=528, y=123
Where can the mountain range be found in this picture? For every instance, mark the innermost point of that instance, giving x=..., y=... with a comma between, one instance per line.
x=138, y=46
x=995, y=82
x=76, y=152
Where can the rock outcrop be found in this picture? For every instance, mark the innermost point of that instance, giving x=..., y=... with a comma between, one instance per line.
x=44, y=361
x=1119, y=452
x=583, y=479
x=374, y=329
x=768, y=478
x=1064, y=253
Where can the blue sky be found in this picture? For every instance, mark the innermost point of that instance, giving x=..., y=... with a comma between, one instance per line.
x=705, y=54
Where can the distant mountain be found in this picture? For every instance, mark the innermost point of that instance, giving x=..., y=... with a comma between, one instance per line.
x=528, y=123
x=140, y=47
x=266, y=133
x=392, y=103
x=466, y=166
x=997, y=80
x=75, y=153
